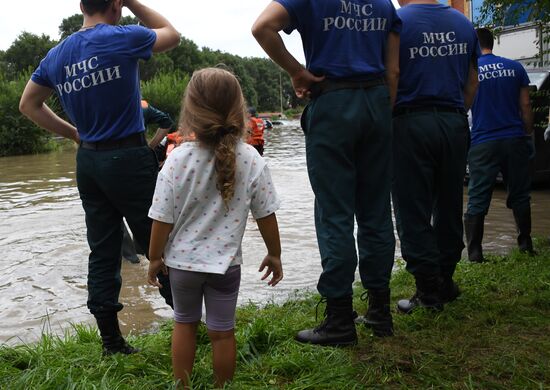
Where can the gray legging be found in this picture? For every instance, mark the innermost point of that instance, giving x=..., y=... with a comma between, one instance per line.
x=220, y=294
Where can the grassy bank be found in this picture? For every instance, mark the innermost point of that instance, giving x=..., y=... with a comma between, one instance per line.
x=495, y=336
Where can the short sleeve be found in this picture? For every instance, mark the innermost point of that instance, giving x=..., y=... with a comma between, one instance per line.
x=396, y=23
x=265, y=200
x=40, y=75
x=524, y=77
x=295, y=9
x=162, y=208
x=140, y=41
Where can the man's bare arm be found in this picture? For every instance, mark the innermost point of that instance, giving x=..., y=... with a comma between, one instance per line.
x=33, y=106
x=266, y=31
x=167, y=36
x=470, y=88
x=392, y=65
x=526, y=111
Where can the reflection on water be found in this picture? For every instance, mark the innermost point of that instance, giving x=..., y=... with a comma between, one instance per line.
x=44, y=251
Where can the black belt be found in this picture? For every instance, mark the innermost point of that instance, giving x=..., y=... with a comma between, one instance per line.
x=327, y=85
x=397, y=111
x=132, y=141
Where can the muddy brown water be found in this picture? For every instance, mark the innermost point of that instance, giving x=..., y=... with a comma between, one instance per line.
x=43, y=263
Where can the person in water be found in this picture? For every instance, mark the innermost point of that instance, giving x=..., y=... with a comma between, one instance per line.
x=255, y=131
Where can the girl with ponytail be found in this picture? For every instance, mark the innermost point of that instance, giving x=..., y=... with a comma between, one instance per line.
x=204, y=193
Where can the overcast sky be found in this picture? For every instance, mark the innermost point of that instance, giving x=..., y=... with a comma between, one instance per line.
x=218, y=24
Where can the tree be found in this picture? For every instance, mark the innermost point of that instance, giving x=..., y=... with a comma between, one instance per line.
x=3, y=64
x=70, y=25
x=18, y=135
x=128, y=20
x=187, y=57
x=508, y=12
x=26, y=52
x=74, y=23
x=157, y=64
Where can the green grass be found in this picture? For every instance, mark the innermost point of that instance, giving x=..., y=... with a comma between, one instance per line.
x=495, y=336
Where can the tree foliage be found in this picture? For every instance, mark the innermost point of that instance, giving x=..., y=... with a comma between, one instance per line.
x=165, y=91
x=163, y=77
x=70, y=25
x=26, y=52
x=508, y=12
x=18, y=135
x=74, y=23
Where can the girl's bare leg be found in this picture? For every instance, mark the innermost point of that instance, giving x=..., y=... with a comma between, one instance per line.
x=224, y=355
x=183, y=351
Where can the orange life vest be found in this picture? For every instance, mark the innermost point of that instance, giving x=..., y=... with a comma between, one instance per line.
x=256, y=131
x=175, y=139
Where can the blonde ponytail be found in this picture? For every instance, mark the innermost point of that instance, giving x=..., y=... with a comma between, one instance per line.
x=214, y=109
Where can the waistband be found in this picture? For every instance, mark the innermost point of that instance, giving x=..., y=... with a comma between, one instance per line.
x=132, y=141
x=397, y=111
x=327, y=85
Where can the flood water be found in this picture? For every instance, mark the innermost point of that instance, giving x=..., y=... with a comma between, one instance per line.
x=44, y=251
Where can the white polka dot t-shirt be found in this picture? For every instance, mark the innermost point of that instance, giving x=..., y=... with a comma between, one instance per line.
x=207, y=236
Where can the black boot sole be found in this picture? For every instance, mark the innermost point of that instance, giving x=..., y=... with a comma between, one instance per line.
x=309, y=338
x=126, y=350
x=330, y=344
x=529, y=251
x=379, y=329
x=477, y=260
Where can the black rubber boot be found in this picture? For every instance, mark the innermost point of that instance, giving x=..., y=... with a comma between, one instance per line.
x=378, y=316
x=473, y=227
x=338, y=327
x=523, y=224
x=426, y=296
x=111, y=337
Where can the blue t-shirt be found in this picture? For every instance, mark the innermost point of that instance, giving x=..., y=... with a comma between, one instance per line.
x=95, y=74
x=438, y=45
x=343, y=39
x=496, y=112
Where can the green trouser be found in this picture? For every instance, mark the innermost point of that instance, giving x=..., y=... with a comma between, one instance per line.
x=429, y=152
x=348, y=149
x=113, y=184
x=509, y=156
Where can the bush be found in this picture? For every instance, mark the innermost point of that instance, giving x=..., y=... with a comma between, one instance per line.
x=18, y=135
x=165, y=92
